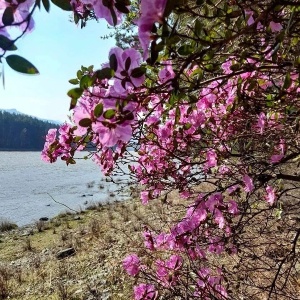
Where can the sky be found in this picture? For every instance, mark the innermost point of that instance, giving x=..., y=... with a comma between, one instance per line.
x=57, y=47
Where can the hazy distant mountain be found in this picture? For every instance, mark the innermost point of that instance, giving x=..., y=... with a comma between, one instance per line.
x=21, y=132
x=15, y=111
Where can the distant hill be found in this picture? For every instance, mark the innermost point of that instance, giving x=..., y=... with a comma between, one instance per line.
x=15, y=111
x=20, y=132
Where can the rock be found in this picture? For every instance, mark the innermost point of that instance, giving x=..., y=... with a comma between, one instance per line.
x=27, y=233
x=46, y=251
x=65, y=253
x=44, y=219
x=77, y=218
x=47, y=204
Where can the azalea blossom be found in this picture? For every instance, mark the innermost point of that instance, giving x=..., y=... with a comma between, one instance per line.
x=132, y=264
x=271, y=196
x=275, y=26
x=167, y=73
x=21, y=13
x=249, y=186
x=261, y=122
x=102, y=11
x=145, y=292
x=110, y=133
x=151, y=12
x=126, y=62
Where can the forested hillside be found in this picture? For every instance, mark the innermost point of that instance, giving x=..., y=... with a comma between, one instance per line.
x=22, y=132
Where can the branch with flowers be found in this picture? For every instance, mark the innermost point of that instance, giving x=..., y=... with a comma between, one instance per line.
x=209, y=101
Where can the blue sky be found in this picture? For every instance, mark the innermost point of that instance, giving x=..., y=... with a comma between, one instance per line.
x=57, y=48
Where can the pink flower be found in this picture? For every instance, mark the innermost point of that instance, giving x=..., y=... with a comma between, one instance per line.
x=271, y=196
x=144, y=197
x=21, y=11
x=132, y=264
x=276, y=158
x=151, y=12
x=275, y=26
x=149, y=241
x=250, y=21
x=249, y=187
x=145, y=292
x=232, y=207
x=213, y=200
x=232, y=189
x=166, y=73
x=281, y=147
x=211, y=159
x=103, y=11
x=126, y=61
x=165, y=270
x=261, y=123
x=219, y=218
x=51, y=136
x=110, y=134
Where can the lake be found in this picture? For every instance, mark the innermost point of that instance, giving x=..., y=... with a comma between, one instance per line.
x=27, y=186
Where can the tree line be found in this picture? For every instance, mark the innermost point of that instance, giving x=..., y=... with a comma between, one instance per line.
x=22, y=132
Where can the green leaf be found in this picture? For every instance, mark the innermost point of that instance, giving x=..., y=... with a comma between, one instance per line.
x=114, y=16
x=79, y=74
x=76, y=18
x=104, y=73
x=235, y=67
x=98, y=110
x=21, y=64
x=209, y=55
x=177, y=115
x=160, y=46
x=8, y=16
x=125, y=2
x=122, y=8
x=70, y=161
x=287, y=81
x=234, y=14
x=74, y=81
x=73, y=103
x=198, y=27
x=86, y=122
x=138, y=72
x=186, y=50
x=187, y=126
x=6, y=44
x=46, y=4
x=109, y=114
x=169, y=7
x=128, y=115
x=75, y=93
x=86, y=81
x=127, y=63
x=113, y=62
x=63, y=4
x=38, y=3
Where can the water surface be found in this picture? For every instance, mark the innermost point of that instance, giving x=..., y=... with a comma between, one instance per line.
x=26, y=183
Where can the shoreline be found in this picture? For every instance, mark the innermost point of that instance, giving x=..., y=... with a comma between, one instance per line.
x=101, y=237
x=34, y=248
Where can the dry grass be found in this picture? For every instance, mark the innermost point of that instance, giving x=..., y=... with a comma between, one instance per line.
x=101, y=237
x=6, y=225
